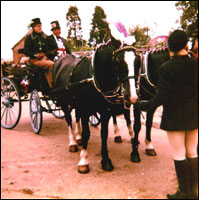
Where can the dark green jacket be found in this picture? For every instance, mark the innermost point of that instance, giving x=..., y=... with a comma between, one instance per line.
x=35, y=43
x=178, y=93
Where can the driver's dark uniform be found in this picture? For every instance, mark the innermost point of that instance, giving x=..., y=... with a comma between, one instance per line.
x=36, y=43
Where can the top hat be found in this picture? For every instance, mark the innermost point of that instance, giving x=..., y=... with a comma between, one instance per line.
x=177, y=40
x=55, y=25
x=35, y=21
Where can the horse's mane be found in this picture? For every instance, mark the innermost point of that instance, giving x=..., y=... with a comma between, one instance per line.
x=103, y=67
x=158, y=50
x=156, y=58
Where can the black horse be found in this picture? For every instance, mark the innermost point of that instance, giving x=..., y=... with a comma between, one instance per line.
x=117, y=135
x=100, y=86
x=146, y=75
x=148, y=66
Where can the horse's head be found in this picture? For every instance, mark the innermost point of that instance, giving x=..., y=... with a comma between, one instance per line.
x=117, y=61
x=124, y=59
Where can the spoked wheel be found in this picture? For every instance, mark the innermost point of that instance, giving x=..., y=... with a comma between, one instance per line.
x=95, y=119
x=35, y=112
x=56, y=111
x=10, y=103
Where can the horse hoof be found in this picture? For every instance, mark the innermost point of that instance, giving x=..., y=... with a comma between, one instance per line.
x=118, y=139
x=79, y=142
x=107, y=165
x=83, y=169
x=73, y=148
x=135, y=158
x=151, y=152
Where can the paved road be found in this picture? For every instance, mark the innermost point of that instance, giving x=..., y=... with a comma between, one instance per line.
x=40, y=166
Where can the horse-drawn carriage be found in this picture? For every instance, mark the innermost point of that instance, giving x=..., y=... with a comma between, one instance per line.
x=21, y=83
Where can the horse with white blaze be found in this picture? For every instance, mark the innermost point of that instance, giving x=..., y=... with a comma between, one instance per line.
x=102, y=86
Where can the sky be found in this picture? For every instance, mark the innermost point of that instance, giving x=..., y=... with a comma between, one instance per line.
x=160, y=16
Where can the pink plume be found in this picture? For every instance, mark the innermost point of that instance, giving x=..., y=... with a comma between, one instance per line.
x=121, y=28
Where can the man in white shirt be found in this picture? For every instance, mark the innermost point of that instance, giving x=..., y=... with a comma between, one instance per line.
x=56, y=44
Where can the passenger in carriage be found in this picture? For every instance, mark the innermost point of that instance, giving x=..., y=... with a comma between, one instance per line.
x=56, y=44
x=178, y=93
x=36, y=48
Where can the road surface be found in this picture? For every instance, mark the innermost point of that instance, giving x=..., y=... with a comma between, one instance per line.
x=41, y=167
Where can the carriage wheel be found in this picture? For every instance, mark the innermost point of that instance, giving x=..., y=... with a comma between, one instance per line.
x=95, y=119
x=57, y=111
x=10, y=103
x=35, y=112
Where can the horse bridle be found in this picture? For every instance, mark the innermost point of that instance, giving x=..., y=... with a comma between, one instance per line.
x=115, y=52
x=117, y=93
x=125, y=48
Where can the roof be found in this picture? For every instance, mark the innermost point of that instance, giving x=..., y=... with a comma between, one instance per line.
x=30, y=31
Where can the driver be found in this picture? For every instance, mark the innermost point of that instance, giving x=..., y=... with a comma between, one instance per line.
x=35, y=47
x=56, y=44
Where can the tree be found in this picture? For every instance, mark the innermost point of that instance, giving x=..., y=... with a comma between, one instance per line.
x=74, y=26
x=141, y=35
x=81, y=45
x=189, y=18
x=99, y=27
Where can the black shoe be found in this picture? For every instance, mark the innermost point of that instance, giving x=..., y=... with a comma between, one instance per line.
x=178, y=195
x=193, y=177
x=181, y=168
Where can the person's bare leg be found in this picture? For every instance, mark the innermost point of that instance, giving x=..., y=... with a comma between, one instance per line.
x=177, y=142
x=191, y=143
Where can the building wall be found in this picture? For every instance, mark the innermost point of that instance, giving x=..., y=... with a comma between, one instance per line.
x=17, y=46
x=16, y=55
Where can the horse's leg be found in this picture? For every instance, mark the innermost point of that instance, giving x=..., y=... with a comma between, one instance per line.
x=137, y=126
x=149, y=146
x=106, y=162
x=83, y=165
x=78, y=128
x=72, y=142
x=117, y=137
x=128, y=122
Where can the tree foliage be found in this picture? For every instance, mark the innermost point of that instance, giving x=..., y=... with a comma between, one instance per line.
x=74, y=26
x=99, y=27
x=189, y=18
x=140, y=34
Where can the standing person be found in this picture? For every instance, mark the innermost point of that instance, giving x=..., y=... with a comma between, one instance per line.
x=35, y=47
x=178, y=93
x=56, y=44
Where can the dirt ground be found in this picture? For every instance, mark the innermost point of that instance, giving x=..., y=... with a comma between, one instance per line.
x=41, y=167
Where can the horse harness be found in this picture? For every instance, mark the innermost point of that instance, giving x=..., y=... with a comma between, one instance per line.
x=115, y=96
